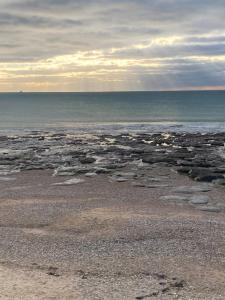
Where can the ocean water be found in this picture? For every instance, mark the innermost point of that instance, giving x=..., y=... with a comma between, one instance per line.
x=121, y=111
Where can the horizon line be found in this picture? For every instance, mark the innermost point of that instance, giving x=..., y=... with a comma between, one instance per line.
x=119, y=91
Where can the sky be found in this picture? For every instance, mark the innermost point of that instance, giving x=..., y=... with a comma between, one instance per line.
x=112, y=45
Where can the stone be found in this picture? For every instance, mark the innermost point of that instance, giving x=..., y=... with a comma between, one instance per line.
x=7, y=178
x=204, y=174
x=91, y=174
x=139, y=184
x=199, y=199
x=209, y=177
x=75, y=170
x=214, y=209
x=219, y=181
x=53, y=271
x=125, y=174
x=3, y=138
x=119, y=179
x=156, y=186
x=175, y=198
x=102, y=170
x=72, y=181
x=150, y=186
x=183, y=170
x=192, y=189
x=87, y=160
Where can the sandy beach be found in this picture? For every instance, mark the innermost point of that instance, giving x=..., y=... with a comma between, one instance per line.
x=138, y=231
x=112, y=150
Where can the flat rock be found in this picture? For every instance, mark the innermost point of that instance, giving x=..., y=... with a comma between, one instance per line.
x=199, y=199
x=7, y=178
x=183, y=170
x=91, y=174
x=70, y=182
x=139, y=184
x=150, y=186
x=125, y=174
x=192, y=189
x=215, y=209
x=175, y=198
x=119, y=179
x=87, y=160
x=219, y=181
x=68, y=171
x=204, y=174
x=209, y=177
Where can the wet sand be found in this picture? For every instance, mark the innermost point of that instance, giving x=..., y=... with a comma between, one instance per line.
x=104, y=239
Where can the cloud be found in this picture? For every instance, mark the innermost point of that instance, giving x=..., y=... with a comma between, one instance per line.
x=130, y=44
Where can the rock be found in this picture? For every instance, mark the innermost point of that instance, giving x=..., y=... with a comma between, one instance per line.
x=7, y=178
x=102, y=171
x=113, y=166
x=183, y=170
x=219, y=181
x=139, y=184
x=125, y=174
x=156, y=158
x=87, y=160
x=180, y=284
x=175, y=198
x=209, y=177
x=149, y=186
x=154, y=179
x=151, y=159
x=70, y=171
x=70, y=182
x=199, y=199
x=204, y=174
x=119, y=179
x=53, y=271
x=217, y=143
x=194, y=163
x=156, y=186
x=192, y=189
x=91, y=174
x=3, y=138
x=215, y=209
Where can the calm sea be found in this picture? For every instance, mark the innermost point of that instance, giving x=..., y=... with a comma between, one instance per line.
x=201, y=111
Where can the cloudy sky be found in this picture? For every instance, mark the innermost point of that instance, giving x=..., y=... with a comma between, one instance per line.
x=102, y=45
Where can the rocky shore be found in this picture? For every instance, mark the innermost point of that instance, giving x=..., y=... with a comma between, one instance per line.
x=200, y=156
x=128, y=216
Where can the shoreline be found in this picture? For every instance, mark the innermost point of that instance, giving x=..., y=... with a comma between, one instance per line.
x=117, y=127
x=112, y=217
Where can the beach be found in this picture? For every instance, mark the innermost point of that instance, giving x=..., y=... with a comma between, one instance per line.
x=112, y=150
x=126, y=216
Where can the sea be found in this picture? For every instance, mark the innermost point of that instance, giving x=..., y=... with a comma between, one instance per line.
x=114, y=112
